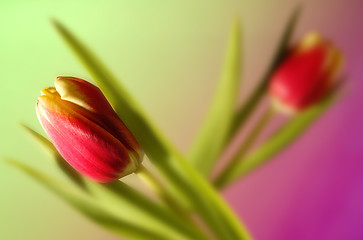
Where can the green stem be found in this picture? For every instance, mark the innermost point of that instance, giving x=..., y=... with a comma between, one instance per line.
x=157, y=187
x=210, y=206
x=221, y=179
x=281, y=139
x=244, y=112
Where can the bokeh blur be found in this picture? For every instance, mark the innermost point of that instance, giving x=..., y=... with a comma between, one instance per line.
x=168, y=54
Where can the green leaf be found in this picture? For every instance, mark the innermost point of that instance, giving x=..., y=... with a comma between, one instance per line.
x=279, y=141
x=245, y=110
x=182, y=178
x=84, y=203
x=210, y=141
x=72, y=174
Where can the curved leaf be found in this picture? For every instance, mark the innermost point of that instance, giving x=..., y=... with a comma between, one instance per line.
x=210, y=141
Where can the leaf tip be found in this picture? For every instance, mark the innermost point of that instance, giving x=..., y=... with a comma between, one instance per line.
x=12, y=162
x=236, y=22
x=298, y=9
x=296, y=14
x=55, y=22
x=236, y=27
x=58, y=26
x=28, y=129
x=24, y=126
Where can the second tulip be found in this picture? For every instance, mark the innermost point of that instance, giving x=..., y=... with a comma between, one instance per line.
x=306, y=74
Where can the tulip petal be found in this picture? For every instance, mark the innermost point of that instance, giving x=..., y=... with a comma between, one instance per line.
x=298, y=80
x=90, y=97
x=84, y=94
x=89, y=148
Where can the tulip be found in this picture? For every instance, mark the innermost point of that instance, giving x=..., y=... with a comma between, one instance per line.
x=305, y=75
x=86, y=131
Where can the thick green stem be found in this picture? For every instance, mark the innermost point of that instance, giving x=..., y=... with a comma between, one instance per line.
x=220, y=180
x=157, y=187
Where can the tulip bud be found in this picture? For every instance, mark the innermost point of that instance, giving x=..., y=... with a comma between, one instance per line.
x=86, y=131
x=305, y=75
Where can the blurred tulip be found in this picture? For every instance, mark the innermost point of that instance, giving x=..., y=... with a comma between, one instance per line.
x=306, y=74
x=86, y=131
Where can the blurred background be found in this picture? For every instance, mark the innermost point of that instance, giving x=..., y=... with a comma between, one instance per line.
x=168, y=55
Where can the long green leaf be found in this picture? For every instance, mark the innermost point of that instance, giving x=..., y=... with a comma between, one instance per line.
x=245, y=110
x=148, y=211
x=279, y=141
x=83, y=203
x=210, y=141
x=181, y=177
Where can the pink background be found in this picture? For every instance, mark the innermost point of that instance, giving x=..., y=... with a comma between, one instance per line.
x=314, y=190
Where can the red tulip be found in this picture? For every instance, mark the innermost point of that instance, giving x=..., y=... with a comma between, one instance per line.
x=86, y=130
x=306, y=74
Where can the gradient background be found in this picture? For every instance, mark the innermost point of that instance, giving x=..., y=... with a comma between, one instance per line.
x=168, y=55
